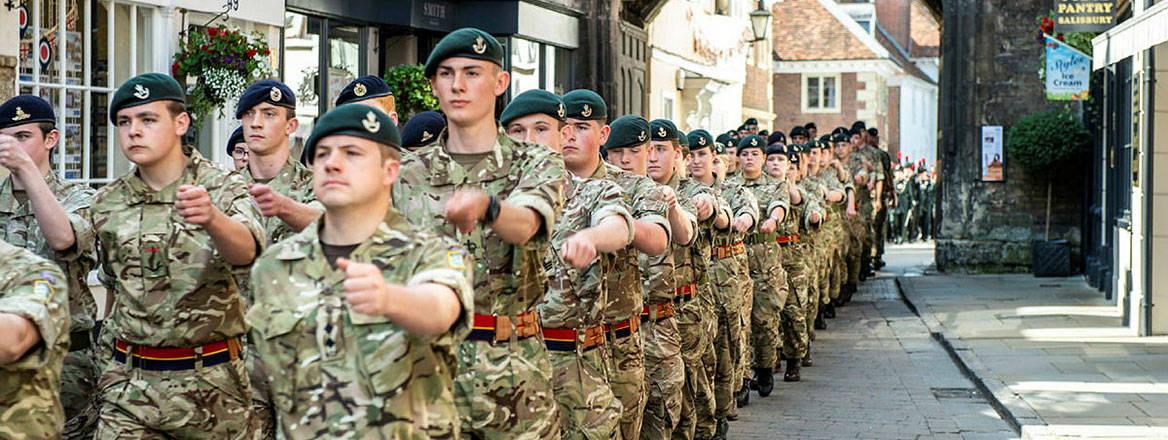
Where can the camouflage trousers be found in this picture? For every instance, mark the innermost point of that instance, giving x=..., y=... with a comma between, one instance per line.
x=79, y=394
x=504, y=390
x=205, y=403
x=664, y=378
x=857, y=238
x=770, y=294
x=697, y=391
x=626, y=378
x=706, y=404
x=813, y=267
x=880, y=232
x=840, y=263
x=263, y=415
x=588, y=408
x=726, y=351
x=745, y=310
x=794, y=319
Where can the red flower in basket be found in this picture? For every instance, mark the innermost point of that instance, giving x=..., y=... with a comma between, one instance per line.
x=214, y=32
x=251, y=53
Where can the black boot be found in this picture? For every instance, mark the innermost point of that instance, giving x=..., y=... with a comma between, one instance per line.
x=792, y=374
x=722, y=429
x=766, y=380
x=820, y=323
x=743, y=396
x=829, y=311
x=807, y=360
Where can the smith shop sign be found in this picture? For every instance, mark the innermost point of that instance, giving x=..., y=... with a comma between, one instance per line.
x=1084, y=15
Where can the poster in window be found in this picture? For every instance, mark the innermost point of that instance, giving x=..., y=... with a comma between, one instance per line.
x=993, y=164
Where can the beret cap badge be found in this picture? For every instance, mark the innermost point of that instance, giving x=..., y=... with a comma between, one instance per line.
x=561, y=111
x=754, y=142
x=586, y=111
x=359, y=89
x=701, y=141
x=141, y=92
x=371, y=123
x=275, y=94
x=426, y=135
x=641, y=137
x=20, y=115
x=661, y=132
x=480, y=45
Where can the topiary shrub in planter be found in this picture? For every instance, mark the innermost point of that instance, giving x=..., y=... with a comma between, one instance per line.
x=1044, y=144
x=411, y=90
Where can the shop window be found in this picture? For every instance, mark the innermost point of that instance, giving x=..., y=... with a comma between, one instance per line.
x=67, y=57
x=539, y=66
x=820, y=93
x=321, y=57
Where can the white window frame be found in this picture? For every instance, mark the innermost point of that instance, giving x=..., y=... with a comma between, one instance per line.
x=805, y=100
x=86, y=86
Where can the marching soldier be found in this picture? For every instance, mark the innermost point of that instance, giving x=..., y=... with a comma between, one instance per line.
x=170, y=233
x=48, y=216
x=594, y=225
x=835, y=177
x=358, y=316
x=372, y=91
x=887, y=199
x=34, y=337
x=422, y=129
x=729, y=274
x=794, y=338
x=770, y=283
x=500, y=199
x=628, y=149
x=237, y=149
x=586, y=113
x=860, y=168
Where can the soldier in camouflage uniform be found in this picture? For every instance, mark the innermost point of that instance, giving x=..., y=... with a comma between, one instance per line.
x=770, y=280
x=859, y=168
x=594, y=225
x=167, y=250
x=500, y=199
x=729, y=274
x=811, y=237
x=358, y=316
x=665, y=166
x=587, y=113
x=627, y=148
x=834, y=175
x=282, y=190
x=41, y=212
x=793, y=323
x=34, y=336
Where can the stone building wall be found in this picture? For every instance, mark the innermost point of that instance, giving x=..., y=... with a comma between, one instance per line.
x=988, y=77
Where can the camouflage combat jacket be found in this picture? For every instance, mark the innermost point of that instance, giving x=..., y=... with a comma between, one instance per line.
x=293, y=181
x=171, y=288
x=18, y=226
x=336, y=373
x=35, y=289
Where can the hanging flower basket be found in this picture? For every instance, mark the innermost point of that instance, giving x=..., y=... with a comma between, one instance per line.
x=221, y=64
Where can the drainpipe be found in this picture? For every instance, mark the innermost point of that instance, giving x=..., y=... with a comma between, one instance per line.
x=1149, y=142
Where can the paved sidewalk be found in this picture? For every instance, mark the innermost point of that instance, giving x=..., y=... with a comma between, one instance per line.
x=1051, y=351
x=878, y=374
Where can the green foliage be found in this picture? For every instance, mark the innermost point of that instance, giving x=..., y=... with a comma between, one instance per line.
x=1044, y=143
x=411, y=90
x=223, y=62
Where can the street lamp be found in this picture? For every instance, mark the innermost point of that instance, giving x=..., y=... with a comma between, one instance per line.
x=760, y=22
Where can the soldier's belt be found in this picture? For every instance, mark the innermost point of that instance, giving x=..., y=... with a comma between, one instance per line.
x=684, y=293
x=759, y=238
x=568, y=339
x=496, y=328
x=787, y=240
x=177, y=358
x=657, y=312
x=623, y=329
x=724, y=252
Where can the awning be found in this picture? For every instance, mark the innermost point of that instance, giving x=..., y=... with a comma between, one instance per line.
x=1131, y=37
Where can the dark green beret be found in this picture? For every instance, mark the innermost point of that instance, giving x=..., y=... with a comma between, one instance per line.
x=798, y=130
x=825, y=145
x=365, y=87
x=796, y=148
x=840, y=137
x=465, y=43
x=719, y=148
x=627, y=131
x=532, y=102
x=699, y=139
x=354, y=120
x=585, y=104
x=825, y=138
x=663, y=130
x=777, y=149
x=26, y=109
x=793, y=157
x=751, y=121
x=751, y=141
x=859, y=125
x=682, y=139
x=725, y=140
x=144, y=89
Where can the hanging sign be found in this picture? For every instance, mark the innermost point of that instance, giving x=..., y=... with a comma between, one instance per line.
x=1068, y=72
x=1084, y=15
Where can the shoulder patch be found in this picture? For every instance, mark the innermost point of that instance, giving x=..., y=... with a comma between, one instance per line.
x=42, y=289
x=454, y=259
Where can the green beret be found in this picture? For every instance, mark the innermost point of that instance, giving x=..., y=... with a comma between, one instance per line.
x=725, y=140
x=465, y=43
x=777, y=149
x=719, y=148
x=585, y=104
x=699, y=139
x=533, y=102
x=682, y=139
x=663, y=130
x=627, y=131
x=841, y=137
x=751, y=141
x=144, y=89
x=354, y=120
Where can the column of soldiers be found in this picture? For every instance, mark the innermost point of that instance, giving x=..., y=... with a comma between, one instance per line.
x=912, y=218
x=542, y=274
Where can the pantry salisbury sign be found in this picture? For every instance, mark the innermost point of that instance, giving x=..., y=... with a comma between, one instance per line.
x=1084, y=15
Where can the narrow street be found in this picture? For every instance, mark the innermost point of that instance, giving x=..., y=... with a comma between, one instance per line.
x=878, y=374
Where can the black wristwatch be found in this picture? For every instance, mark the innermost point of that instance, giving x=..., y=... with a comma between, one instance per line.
x=492, y=211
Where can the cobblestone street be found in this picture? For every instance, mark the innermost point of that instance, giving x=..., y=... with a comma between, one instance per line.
x=878, y=373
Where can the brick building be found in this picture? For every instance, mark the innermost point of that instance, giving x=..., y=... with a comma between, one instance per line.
x=839, y=62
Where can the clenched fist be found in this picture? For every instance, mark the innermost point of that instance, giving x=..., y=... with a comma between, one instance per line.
x=466, y=208
x=742, y=223
x=266, y=199
x=704, y=206
x=768, y=226
x=194, y=205
x=578, y=251
x=13, y=157
x=365, y=288
x=669, y=196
